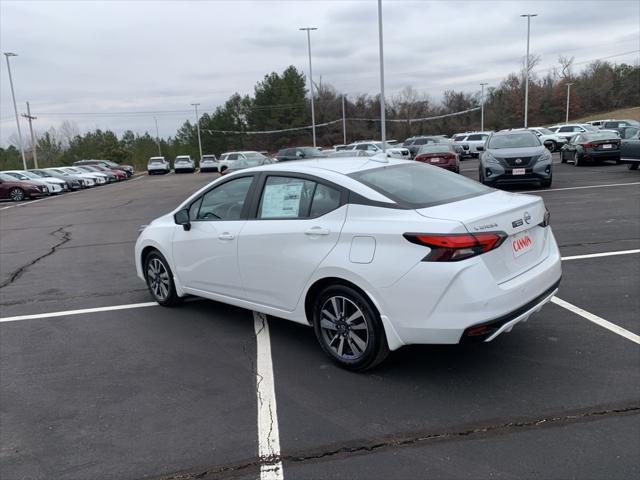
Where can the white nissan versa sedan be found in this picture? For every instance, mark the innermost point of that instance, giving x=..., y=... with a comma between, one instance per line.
x=374, y=253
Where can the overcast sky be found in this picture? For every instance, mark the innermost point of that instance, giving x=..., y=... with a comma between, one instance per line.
x=113, y=57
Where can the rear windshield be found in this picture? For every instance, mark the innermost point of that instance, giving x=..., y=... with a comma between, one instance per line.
x=156, y=160
x=599, y=136
x=436, y=148
x=417, y=185
x=514, y=140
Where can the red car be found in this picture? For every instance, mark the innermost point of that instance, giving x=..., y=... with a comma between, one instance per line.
x=17, y=190
x=440, y=155
x=118, y=173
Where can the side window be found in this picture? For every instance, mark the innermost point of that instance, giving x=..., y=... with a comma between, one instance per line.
x=565, y=129
x=372, y=148
x=472, y=138
x=361, y=147
x=578, y=129
x=193, y=209
x=226, y=201
x=232, y=156
x=325, y=199
x=286, y=197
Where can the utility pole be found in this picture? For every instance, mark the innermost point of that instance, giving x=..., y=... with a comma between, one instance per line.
x=313, y=112
x=157, y=136
x=30, y=117
x=482, y=107
x=566, y=120
x=526, y=75
x=198, y=128
x=15, y=108
x=382, y=103
x=344, y=124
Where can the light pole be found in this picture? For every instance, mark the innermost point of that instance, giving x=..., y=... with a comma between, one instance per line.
x=158, y=136
x=313, y=112
x=34, y=148
x=566, y=120
x=195, y=105
x=526, y=77
x=15, y=108
x=482, y=107
x=344, y=124
x=383, y=123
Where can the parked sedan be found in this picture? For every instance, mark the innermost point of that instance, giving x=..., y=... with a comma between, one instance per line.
x=414, y=143
x=591, y=147
x=246, y=163
x=108, y=176
x=55, y=185
x=128, y=169
x=18, y=175
x=87, y=180
x=347, y=247
x=18, y=190
x=443, y=155
x=515, y=157
x=118, y=174
x=98, y=178
x=72, y=183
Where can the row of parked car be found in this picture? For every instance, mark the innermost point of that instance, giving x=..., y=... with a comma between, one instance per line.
x=20, y=185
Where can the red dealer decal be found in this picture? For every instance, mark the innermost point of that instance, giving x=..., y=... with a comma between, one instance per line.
x=521, y=243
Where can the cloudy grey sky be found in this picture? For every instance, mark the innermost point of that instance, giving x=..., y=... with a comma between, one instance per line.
x=91, y=62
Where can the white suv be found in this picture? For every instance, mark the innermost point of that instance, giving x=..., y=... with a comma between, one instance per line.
x=158, y=165
x=184, y=163
x=567, y=131
x=470, y=141
x=226, y=159
x=376, y=147
x=552, y=141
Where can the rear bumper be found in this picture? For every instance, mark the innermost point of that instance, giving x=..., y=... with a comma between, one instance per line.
x=603, y=155
x=437, y=303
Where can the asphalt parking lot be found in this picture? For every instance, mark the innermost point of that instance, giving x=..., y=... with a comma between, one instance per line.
x=149, y=392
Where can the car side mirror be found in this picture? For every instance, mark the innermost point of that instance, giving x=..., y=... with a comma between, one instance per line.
x=480, y=148
x=181, y=217
x=300, y=154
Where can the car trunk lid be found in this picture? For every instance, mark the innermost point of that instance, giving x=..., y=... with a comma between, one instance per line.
x=518, y=216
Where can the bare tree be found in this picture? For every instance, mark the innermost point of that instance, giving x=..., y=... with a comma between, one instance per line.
x=566, y=63
x=67, y=132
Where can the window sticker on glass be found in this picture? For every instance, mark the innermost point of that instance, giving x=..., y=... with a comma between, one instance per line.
x=281, y=200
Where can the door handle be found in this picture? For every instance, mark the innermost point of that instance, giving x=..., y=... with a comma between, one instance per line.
x=317, y=231
x=226, y=236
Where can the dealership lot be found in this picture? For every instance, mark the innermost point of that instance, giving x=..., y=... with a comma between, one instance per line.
x=145, y=391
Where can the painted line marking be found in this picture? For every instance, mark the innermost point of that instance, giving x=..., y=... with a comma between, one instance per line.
x=604, y=254
x=597, y=320
x=580, y=188
x=78, y=312
x=268, y=434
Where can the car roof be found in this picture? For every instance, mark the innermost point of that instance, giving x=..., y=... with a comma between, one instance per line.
x=240, y=151
x=503, y=133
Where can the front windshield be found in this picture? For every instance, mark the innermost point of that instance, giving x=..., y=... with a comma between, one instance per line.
x=514, y=140
x=43, y=174
x=17, y=175
x=6, y=178
x=31, y=175
x=590, y=128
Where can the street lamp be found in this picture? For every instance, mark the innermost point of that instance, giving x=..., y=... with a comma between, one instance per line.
x=15, y=108
x=313, y=113
x=526, y=79
x=195, y=105
x=482, y=107
x=566, y=120
x=383, y=121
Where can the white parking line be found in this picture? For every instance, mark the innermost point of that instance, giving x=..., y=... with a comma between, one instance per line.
x=268, y=434
x=597, y=320
x=603, y=254
x=78, y=312
x=580, y=188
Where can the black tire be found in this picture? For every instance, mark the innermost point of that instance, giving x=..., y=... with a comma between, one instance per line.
x=576, y=160
x=17, y=194
x=551, y=146
x=632, y=165
x=562, y=157
x=357, y=326
x=160, y=280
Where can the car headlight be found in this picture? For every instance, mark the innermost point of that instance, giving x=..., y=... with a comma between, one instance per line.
x=545, y=157
x=490, y=158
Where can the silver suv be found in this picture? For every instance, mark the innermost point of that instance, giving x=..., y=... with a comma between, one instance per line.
x=470, y=141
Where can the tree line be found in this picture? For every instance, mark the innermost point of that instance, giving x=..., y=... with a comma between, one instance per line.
x=280, y=101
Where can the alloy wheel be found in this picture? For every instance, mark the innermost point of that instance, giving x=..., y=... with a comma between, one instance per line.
x=16, y=194
x=158, y=279
x=344, y=327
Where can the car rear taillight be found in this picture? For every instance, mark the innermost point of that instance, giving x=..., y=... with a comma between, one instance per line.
x=456, y=246
x=589, y=145
x=546, y=220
